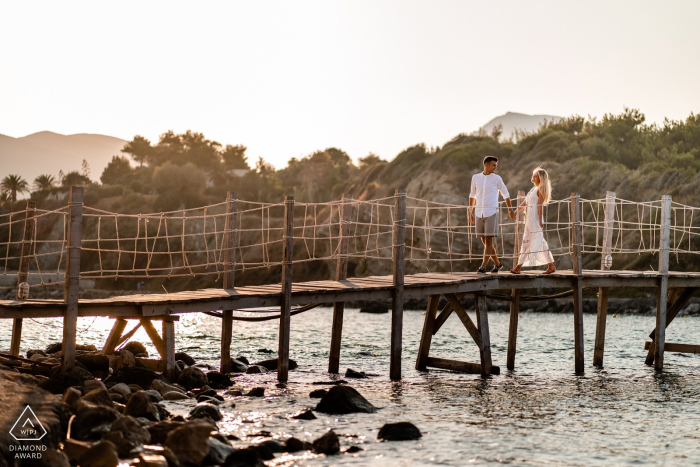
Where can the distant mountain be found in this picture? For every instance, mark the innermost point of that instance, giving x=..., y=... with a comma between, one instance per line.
x=523, y=122
x=47, y=153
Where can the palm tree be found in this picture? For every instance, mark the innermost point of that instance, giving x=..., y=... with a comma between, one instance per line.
x=44, y=182
x=14, y=183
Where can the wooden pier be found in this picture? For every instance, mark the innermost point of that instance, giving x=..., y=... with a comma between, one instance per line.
x=674, y=289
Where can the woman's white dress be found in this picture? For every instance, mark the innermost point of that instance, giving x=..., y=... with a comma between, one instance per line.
x=534, y=250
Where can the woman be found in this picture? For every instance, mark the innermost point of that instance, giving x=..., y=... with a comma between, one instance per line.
x=534, y=250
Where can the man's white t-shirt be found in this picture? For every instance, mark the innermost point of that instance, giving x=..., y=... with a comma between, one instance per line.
x=485, y=189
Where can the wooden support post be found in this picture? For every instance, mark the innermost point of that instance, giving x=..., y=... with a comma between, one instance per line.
x=158, y=343
x=23, y=273
x=341, y=273
x=171, y=369
x=515, y=293
x=601, y=319
x=445, y=313
x=660, y=337
x=427, y=336
x=577, y=239
x=398, y=250
x=72, y=289
x=286, y=299
x=229, y=276
x=482, y=321
x=672, y=310
x=114, y=335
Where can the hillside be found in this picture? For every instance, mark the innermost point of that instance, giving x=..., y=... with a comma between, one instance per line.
x=513, y=121
x=47, y=153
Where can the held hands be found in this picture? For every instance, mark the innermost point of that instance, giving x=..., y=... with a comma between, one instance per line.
x=471, y=217
x=511, y=213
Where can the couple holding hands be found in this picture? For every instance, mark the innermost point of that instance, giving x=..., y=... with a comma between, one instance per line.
x=483, y=213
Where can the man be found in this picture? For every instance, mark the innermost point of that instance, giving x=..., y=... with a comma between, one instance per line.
x=483, y=210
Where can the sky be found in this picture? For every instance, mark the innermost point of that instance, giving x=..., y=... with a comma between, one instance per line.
x=288, y=78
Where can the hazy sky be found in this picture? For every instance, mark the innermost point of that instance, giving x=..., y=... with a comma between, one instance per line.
x=287, y=78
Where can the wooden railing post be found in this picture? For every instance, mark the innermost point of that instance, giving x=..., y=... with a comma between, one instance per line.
x=286, y=298
x=341, y=273
x=660, y=337
x=398, y=250
x=72, y=292
x=23, y=273
x=577, y=239
x=229, y=276
x=515, y=293
x=601, y=319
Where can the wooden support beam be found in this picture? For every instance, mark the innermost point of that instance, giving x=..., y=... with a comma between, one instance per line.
x=72, y=288
x=229, y=276
x=464, y=317
x=341, y=273
x=23, y=273
x=515, y=293
x=427, y=336
x=673, y=309
x=158, y=343
x=114, y=336
x=464, y=367
x=286, y=298
x=675, y=347
x=171, y=369
x=398, y=250
x=445, y=313
x=660, y=337
x=602, y=316
x=577, y=240
x=482, y=321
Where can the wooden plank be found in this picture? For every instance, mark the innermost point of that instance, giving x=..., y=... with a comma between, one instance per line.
x=341, y=273
x=427, y=336
x=229, y=278
x=152, y=364
x=158, y=343
x=577, y=239
x=72, y=277
x=673, y=310
x=602, y=314
x=482, y=321
x=513, y=328
x=675, y=347
x=445, y=313
x=114, y=335
x=286, y=297
x=23, y=272
x=464, y=317
x=171, y=369
x=464, y=367
x=660, y=337
x=398, y=251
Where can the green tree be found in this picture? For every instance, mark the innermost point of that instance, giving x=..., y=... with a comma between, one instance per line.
x=178, y=186
x=44, y=182
x=75, y=178
x=234, y=157
x=117, y=172
x=14, y=183
x=139, y=149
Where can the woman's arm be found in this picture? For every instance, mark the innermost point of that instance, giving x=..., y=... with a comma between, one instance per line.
x=540, y=202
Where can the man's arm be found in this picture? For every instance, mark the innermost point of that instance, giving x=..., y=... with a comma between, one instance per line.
x=506, y=196
x=511, y=213
x=472, y=202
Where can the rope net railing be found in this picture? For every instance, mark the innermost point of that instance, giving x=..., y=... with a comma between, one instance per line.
x=439, y=237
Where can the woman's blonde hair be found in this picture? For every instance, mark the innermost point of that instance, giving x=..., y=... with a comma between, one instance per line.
x=545, y=186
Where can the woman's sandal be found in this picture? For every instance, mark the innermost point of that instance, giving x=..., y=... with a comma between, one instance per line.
x=513, y=271
x=550, y=271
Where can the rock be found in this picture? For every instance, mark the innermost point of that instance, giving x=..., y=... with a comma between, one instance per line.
x=249, y=457
x=153, y=460
x=175, y=396
x=206, y=391
x=219, y=380
x=256, y=392
x=120, y=388
x=304, y=415
x=401, y=431
x=192, y=377
x=140, y=405
x=318, y=393
x=116, y=397
x=218, y=452
x=374, y=308
x=238, y=366
x=182, y=356
x=102, y=454
x=271, y=364
x=142, y=377
x=123, y=445
x=273, y=445
x=205, y=411
x=265, y=351
x=132, y=430
x=327, y=444
x=350, y=373
x=54, y=348
x=91, y=422
x=243, y=359
x=127, y=358
x=189, y=442
x=53, y=458
x=136, y=388
x=71, y=397
x=32, y=352
x=159, y=431
x=263, y=451
x=91, y=384
x=94, y=362
x=208, y=400
x=99, y=396
x=343, y=400
x=162, y=387
x=255, y=369
x=58, y=383
x=296, y=445
x=74, y=448
x=353, y=449
x=136, y=347
x=155, y=395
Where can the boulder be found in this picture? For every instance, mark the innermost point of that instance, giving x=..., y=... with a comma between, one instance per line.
x=205, y=411
x=304, y=415
x=91, y=384
x=192, y=377
x=32, y=352
x=159, y=431
x=265, y=351
x=137, y=388
x=94, y=362
x=249, y=457
x=353, y=449
x=142, y=377
x=401, y=431
x=183, y=357
x=273, y=445
x=91, y=422
x=141, y=405
x=208, y=400
x=155, y=395
x=218, y=452
x=127, y=358
x=153, y=460
x=53, y=458
x=296, y=445
x=255, y=369
x=58, y=383
x=243, y=359
x=239, y=366
x=256, y=392
x=120, y=388
x=54, y=347
x=162, y=387
x=219, y=380
x=123, y=445
x=99, y=396
x=327, y=444
x=271, y=364
x=343, y=400
x=175, y=396
x=350, y=373
x=136, y=348
x=318, y=393
x=132, y=430
x=189, y=442
x=374, y=308
x=71, y=397
x=102, y=454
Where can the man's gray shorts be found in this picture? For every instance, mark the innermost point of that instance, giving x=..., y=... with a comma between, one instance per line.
x=487, y=226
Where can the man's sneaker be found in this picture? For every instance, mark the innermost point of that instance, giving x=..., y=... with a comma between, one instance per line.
x=481, y=270
x=497, y=268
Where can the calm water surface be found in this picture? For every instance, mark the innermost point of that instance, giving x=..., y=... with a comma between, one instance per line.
x=540, y=414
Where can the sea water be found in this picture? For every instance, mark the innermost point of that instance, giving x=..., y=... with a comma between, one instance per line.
x=539, y=414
